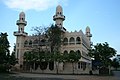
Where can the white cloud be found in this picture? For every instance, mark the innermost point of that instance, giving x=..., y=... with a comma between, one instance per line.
x=32, y=4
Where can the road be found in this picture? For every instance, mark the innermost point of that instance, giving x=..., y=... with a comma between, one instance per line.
x=117, y=74
x=66, y=77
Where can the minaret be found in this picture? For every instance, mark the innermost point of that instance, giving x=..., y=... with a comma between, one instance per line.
x=20, y=37
x=59, y=17
x=88, y=34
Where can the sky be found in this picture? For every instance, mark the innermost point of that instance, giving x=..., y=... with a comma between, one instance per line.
x=102, y=16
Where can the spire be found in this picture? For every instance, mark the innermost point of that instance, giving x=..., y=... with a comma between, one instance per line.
x=59, y=17
x=21, y=22
x=87, y=29
x=22, y=16
x=59, y=10
x=88, y=34
x=21, y=19
x=20, y=37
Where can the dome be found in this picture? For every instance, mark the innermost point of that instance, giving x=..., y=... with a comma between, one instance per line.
x=22, y=15
x=87, y=29
x=58, y=8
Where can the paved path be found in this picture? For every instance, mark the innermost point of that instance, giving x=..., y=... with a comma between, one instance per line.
x=64, y=77
x=116, y=73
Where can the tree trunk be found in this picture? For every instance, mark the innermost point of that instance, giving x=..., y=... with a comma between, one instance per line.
x=42, y=71
x=34, y=65
x=73, y=67
x=57, y=65
x=30, y=68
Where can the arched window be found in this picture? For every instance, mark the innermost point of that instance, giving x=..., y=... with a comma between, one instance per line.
x=35, y=41
x=71, y=51
x=78, y=53
x=78, y=41
x=42, y=43
x=60, y=24
x=23, y=19
x=72, y=41
x=51, y=65
x=60, y=13
x=57, y=13
x=25, y=43
x=65, y=52
x=65, y=41
x=66, y=56
x=78, y=65
x=43, y=40
x=30, y=42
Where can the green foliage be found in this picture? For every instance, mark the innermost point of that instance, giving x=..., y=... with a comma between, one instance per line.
x=65, y=57
x=6, y=60
x=4, y=48
x=115, y=63
x=12, y=60
x=58, y=57
x=74, y=56
x=30, y=56
x=102, y=53
x=54, y=37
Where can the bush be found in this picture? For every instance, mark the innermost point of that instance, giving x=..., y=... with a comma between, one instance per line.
x=90, y=72
x=104, y=70
x=2, y=68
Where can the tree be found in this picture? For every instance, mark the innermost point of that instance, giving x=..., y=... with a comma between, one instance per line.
x=4, y=52
x=38, y=54
x=40, y=33
x=102, y=53
x=65, y=57
x=58, y=57
x=55, y=38
x=50, y=37
x=12, y=59
x=73, y=58
x=54, y=34
x=6, y=60
x=115, y=63
x=29, y=58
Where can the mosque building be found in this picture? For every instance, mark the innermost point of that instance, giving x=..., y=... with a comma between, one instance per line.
x=73, y=41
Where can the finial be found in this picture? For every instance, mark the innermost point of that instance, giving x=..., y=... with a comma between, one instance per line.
x=59, y=10
x=22, y=16
x=87, y=29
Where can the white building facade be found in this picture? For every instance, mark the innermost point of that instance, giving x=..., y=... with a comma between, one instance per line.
x=73, y=41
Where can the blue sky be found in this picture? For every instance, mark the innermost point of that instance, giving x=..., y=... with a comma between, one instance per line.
x=102, y=16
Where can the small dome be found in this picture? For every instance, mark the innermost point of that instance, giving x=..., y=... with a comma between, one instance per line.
x=87, y=29
x=58, y=8
x=22, y=15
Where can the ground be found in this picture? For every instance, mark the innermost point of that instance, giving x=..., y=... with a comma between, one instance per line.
x=30, y=76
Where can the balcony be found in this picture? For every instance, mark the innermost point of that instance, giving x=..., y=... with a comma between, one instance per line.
x=21, y=22
x=58, y=17
x=18, y=33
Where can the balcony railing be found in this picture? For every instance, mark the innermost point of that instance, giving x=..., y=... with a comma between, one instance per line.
x=18, y=33
x=58, y=16
x=21, y=22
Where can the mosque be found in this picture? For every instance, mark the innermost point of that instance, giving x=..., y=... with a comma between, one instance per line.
x=73, y=41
